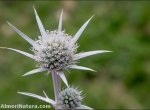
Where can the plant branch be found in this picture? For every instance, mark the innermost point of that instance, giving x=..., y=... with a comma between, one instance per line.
x=56, y=84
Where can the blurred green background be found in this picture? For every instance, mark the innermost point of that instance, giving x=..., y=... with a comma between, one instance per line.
x=122, y=79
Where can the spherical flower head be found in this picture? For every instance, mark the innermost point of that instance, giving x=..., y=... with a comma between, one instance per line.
x=69, y=98
x=55, y=50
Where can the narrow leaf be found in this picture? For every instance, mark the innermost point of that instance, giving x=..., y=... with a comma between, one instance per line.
x=45, y=94
x=86, y=54
x=63, y=77
x=48, y=100
x=40, y=25
x=19, y=51
x=79, y=32
x=80, y=68
x=35, y=71
x=84, y=107
x=22, y=34
x=60, y=22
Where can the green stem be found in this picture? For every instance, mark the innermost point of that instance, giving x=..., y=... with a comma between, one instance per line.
x=56, y=84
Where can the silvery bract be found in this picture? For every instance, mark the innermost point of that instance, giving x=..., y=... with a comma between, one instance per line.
x=55, y=50
x=69, y=98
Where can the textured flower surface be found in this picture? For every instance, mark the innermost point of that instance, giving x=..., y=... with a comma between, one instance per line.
x=55, y=50
x=69, y=98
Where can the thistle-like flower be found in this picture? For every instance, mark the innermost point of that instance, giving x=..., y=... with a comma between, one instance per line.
x=69, y=98
x=55, y=50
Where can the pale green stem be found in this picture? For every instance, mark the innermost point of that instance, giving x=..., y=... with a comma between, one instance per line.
x=56, y=84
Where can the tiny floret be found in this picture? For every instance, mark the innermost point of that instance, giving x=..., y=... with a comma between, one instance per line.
x=70, y=98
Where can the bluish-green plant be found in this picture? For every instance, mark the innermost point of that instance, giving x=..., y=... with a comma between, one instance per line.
x=56, y=51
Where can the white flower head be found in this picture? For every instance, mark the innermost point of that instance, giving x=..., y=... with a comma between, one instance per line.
x=55, y=50
x=70, y=98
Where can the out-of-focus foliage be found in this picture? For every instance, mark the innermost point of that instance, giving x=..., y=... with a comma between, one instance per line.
x=122, y=79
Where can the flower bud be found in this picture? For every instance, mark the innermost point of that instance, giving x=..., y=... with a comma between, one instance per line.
x=69, y=98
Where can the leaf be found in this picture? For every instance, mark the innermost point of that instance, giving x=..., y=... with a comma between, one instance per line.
x=19, y=51
x=86, y=54
x=48, y=100
x=63, y=77
x=22, y=34
x=35, y=71
x=41, y=27
x=80, y=68
x=84, y=107
x=60, y=22
x=79, y=32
